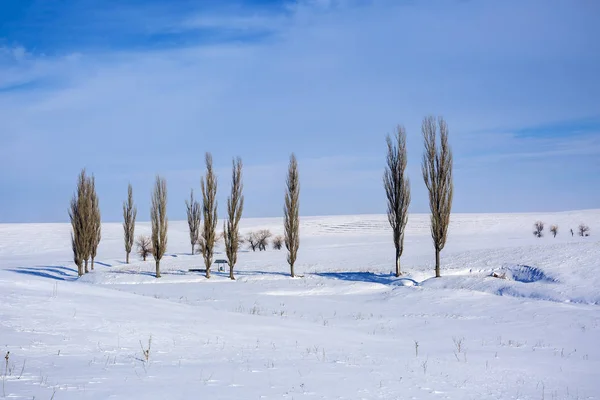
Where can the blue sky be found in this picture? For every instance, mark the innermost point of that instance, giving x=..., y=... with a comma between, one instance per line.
x=129, y=89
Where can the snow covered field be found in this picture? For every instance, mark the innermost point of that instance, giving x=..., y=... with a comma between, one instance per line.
x=347, y=329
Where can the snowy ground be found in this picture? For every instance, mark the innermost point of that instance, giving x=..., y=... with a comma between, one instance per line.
x=347, y=329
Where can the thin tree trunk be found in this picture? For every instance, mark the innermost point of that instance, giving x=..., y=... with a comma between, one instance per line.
x=86, y=267
x=398, y=272
x=292, y=270
x=192, y=249
x=437, y=263
x=208, y=273
x=92, y=263
x=231, y=272
x=158, y=268
x=80, y=270
x=127, y=258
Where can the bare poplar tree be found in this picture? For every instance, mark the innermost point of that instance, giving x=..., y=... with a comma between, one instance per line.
x=208, y=185
x=129, y=214
x=77, y=215
x=96, y=220
x=437, y=174
x=397, y=189
x=291, y=221
x=87, y=216
x=235, y=207
x=158, y=216
x=193, y=218
x=554, y=230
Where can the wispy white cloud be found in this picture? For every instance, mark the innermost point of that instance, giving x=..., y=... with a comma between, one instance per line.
x=333, y=79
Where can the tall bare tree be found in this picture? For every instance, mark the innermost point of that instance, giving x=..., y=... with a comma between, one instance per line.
x=291, y=222
x=158, y=216
x=78, y=212
x=235, y=207
x=193, y=218
x=208, y=184
x=397, y=189
x=437, y=174
x=129, y=214
x=96, y=220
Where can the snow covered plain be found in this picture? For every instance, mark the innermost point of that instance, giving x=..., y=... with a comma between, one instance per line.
x=347, y=329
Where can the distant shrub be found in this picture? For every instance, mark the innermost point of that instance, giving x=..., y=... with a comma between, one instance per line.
x=554, y=230
x=252, y=239
x=538, y=229
x=583, y=230
x=263, y=239
x=144, y=246
x=277, y=242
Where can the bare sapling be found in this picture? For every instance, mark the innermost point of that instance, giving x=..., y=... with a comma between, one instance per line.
x=193, y=218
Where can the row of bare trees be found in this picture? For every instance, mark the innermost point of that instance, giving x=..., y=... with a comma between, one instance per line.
x=437, y=174
x=202, y=220
x=84, y=214
x=538, y=230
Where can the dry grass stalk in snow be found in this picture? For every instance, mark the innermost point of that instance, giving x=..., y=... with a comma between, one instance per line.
x=437, y=174
x=291, y=217
x=235, y=207
x=144, y=246
x=158, y=216
x=208, y=184
x=397, y=189
x=129, y=214
x=193, y=219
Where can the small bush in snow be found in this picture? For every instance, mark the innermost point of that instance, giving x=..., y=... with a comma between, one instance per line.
x=144, y=246
x=583, y=230
x=554, y=230
x=277, y=242
x=252, y=239
x=263, y=239
x=538, y=229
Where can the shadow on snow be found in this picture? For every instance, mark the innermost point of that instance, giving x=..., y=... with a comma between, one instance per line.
x=369, y=277
x=57, y=272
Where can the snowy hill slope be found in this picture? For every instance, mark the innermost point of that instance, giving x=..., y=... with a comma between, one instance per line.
x=348, y=329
